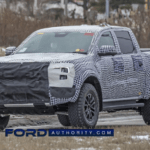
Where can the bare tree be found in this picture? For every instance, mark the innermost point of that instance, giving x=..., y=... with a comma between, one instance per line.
x=86, y=5
x=30, y=7
x=29, y=4
x=8, y=3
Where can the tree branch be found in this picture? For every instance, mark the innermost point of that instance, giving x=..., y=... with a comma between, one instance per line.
x=89, y=6
x=76, y=3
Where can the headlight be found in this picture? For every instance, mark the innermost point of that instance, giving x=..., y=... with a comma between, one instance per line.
x=66, y=70
x=61, y=75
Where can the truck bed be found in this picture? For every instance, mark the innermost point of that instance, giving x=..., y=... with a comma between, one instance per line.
x=145, y=49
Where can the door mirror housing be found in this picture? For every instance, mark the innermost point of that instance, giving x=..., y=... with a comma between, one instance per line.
x=107, y=50
x=9, y=50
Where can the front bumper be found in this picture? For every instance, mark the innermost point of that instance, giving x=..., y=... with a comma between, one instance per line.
x=27, y=109
x=25, y=83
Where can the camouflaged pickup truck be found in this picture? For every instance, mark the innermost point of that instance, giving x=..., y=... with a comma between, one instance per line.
x=75, y=72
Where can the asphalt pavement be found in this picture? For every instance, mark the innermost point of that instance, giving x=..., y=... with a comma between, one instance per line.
x=121, y=118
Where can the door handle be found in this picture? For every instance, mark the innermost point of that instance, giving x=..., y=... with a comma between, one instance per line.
x=140, y=64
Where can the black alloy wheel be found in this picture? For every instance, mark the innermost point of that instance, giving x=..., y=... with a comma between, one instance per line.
x=89, y=107
x=85, y=111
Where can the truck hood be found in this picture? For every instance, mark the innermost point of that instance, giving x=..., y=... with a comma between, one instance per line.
x=42, y=57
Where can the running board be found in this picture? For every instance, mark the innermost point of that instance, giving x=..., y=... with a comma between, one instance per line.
x=121, y=104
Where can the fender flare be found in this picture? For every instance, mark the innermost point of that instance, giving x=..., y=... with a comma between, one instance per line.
x=91, y=74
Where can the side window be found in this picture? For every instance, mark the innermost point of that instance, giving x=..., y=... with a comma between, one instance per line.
x=125, y=42
x=106, y=39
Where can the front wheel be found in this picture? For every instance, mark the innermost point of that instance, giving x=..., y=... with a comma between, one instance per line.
x=3, y=122
x=84, y=112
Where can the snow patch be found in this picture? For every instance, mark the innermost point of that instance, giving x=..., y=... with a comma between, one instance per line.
x=78, y=139
x=146, y=137
x=83, y=148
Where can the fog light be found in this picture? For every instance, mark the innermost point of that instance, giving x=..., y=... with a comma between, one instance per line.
x=63, y=77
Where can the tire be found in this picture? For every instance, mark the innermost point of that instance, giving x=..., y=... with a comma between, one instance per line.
x=64, y=120
x=84, y=112
x=3, y=122
x=146, y=112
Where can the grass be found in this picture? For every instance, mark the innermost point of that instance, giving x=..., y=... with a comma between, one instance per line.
x=122, y=140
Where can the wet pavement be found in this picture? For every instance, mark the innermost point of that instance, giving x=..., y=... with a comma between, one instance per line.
x=46, y=122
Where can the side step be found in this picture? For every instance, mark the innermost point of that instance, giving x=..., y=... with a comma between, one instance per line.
x=121, y=104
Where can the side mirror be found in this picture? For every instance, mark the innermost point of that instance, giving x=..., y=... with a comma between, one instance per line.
x=9, y=50
x=107, y=50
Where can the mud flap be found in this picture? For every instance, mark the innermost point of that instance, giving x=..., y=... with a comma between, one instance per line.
x=3, y=122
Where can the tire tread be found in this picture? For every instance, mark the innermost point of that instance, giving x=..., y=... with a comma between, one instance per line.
x=75, y=109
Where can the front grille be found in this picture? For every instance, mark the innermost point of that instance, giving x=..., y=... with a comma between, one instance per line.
x=24, y=82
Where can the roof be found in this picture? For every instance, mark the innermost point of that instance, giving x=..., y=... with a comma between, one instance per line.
x=81, y=28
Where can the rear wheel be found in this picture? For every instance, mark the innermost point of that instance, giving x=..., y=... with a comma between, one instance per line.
x=146, y=112
x=3, y=122
x=64, y=120
x=84, y=112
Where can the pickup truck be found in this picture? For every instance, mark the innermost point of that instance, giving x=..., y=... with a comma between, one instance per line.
x=75, y=72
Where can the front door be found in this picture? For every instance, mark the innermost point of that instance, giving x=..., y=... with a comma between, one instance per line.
x=111, y=70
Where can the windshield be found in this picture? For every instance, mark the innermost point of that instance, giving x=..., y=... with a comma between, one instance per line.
x=57, y=42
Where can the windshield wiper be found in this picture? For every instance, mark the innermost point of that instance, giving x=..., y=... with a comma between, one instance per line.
x=80, y=52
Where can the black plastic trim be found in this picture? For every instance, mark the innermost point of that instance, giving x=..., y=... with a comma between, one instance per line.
x=37, y=110
x=122, y=104
x=62, y=92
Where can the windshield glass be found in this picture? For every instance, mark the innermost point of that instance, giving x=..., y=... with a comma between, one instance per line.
x=57, y=42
